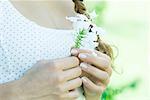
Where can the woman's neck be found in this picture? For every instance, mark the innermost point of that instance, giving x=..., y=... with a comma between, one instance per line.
x=48, y=13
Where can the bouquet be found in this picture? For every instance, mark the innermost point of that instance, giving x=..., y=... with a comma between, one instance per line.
x=83, y=27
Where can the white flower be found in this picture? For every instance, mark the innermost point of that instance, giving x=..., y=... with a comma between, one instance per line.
x=81, y=22
x=98, y=30
x=93, y=15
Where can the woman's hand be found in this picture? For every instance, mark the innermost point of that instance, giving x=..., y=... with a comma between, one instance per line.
x=97, y=71
x=52, y=80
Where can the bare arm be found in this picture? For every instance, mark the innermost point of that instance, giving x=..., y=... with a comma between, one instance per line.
x=46, y=80
x=11, y=91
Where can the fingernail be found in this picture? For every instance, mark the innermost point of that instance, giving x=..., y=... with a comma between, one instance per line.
x=84, y=79
x=94, y=54
x=82, y=56
x=74, y=51
x=83, y=65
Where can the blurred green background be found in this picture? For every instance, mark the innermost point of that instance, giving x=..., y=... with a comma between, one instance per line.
x=127, y=25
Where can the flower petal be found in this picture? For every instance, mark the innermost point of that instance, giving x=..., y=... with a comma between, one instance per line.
x=93, y=14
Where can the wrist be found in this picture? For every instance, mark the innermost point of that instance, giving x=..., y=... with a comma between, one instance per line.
x=20, y=91
x=11, y=91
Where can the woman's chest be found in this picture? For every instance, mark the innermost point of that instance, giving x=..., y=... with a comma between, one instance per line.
x=23, y=43
x=23, y=47
x=35, y=44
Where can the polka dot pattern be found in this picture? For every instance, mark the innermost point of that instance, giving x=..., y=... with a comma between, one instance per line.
x=23, y=43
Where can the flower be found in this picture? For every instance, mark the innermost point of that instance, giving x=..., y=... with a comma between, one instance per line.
x=93, y=15
x=81, y=22
x=83, y=27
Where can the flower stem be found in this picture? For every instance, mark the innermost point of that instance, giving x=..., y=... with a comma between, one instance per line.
x=78, y=41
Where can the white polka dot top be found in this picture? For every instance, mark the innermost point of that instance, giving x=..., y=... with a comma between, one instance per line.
x=23, y=43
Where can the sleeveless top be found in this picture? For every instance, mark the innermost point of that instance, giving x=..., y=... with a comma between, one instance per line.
x=23, y=43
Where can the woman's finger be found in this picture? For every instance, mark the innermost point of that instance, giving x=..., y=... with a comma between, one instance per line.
x=65, y=63
x=99, y=74
x=90, y=86
x=99, y=62
x=109, y=71
x=71, y=74
x=76, y=51
x=72, y=84
x=72, y=95
x=102, y=55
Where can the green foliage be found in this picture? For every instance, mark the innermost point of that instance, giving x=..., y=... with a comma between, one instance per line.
x=79, y=38
x=111, y=92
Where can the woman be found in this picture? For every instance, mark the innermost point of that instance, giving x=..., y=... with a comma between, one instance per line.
x=34, y=54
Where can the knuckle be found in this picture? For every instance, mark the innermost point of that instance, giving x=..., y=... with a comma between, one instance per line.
x=79, y=70
x=60, y=89
x=79, y=81
x=42, y=63
x=75, y=59
x=53, y=66
x=106, y=76
x=108, y=58
x=58, y=78
x=106, y=64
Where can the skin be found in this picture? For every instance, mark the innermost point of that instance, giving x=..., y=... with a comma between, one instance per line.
x=47, y=80
x=53, y=80
x=98, y=69
x=42, y=12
